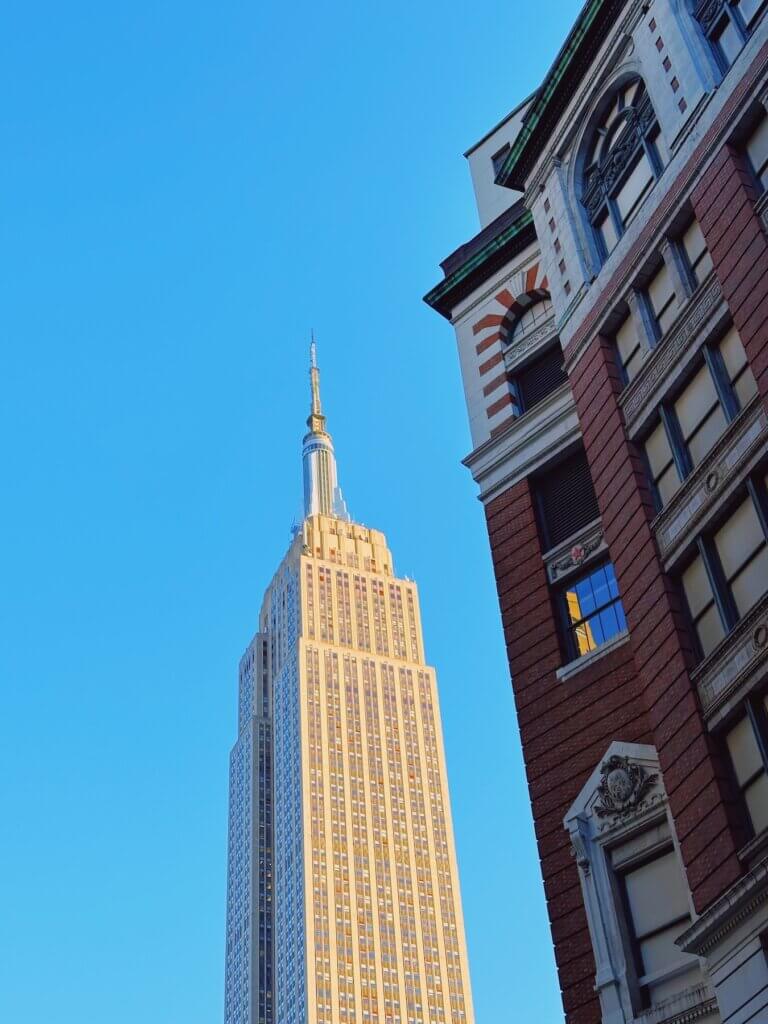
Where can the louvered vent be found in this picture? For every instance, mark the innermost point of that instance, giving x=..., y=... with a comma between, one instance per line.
x=541, y=378
x=566, y=499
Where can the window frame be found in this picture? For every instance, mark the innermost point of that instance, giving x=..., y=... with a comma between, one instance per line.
x=755, y=490
x=754, y=711
x=727, y=399
x=599, y=191
x=567, y=627
x=516, y=376
x=642, y=979
x=711, y=14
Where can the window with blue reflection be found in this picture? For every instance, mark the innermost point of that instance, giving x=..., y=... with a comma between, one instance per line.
x=593, y=610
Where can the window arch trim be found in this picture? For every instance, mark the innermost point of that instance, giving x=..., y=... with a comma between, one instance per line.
x=609, y=167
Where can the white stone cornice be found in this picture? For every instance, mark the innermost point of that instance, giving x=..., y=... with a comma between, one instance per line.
x=526, y=444
x=737, y=904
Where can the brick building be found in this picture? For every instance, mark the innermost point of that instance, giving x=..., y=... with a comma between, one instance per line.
x=612, y=325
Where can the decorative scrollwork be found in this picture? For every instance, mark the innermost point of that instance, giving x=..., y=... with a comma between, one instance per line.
x=623, y=787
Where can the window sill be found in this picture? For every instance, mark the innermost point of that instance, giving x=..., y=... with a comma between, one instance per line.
x=574, y=667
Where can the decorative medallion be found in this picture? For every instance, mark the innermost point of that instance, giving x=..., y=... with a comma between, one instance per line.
x=713, y=479
x=576, y=556
x=623, y=787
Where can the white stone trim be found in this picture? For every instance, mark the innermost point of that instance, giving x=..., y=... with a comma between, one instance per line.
x=738, y=663
x=574, y=667
x=596, y=825
x=527, y=443
x=737, y=904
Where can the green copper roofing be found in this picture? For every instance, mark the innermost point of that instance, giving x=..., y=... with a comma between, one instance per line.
x=479, y=258
x=549, y=87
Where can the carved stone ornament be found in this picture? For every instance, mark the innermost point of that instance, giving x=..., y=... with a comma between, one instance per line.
x=575, y=557
x=623, y=787
x=708, y=12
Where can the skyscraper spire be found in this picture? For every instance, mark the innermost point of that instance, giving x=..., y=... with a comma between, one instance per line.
x=322, y=494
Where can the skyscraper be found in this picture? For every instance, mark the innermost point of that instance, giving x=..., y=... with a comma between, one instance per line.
x=343, y=902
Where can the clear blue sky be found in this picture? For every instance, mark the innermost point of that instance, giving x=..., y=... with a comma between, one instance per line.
x=185, y=189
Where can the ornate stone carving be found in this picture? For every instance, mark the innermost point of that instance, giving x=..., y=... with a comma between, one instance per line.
x=579, y=851
x=582, y=546
x=603, y=176
x=517, y=349
x=669, y=351
x=708, y=12
x=736, y=662
x=576, y=556
x=623, y=787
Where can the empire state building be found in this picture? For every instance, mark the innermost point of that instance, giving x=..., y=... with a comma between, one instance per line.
x=343, y=903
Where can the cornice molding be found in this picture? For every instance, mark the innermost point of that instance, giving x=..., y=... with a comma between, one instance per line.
x=735, y=906
x=737, y=661
x=503, y=460
x=444, y=296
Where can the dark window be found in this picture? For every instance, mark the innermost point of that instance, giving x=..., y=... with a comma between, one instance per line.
x=624, y=160
x=566, y=499
x=498, y=159
x=540, y=378
x=592, y=610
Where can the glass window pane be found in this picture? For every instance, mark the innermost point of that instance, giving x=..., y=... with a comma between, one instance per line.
x=600, y=589
x=728, y=39
x=751, y=583
x=703, y=441
x=739, y=538
x=696, y=585
x=739, y=373
x=695, y=402
x=656, y=894
x=660, y=951
x=757, y=150
x=745, y=387
x=696, y=250
x=732, y=351
x=661, y=294
x=634, y=190
x=631, y=351
x=608, y=232
x=710, y=629
x=668, y=483
x=756, y=797
x=744, y=750
x=749, y=9
x=693, y=241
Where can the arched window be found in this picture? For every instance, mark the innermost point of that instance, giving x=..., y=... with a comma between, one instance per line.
x=727, y=24
x=534, y=356
x=533, y=317
x=623, y=161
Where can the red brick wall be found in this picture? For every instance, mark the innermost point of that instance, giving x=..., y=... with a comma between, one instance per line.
x=565, y=727
x=724, y=203
x=696, y=779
